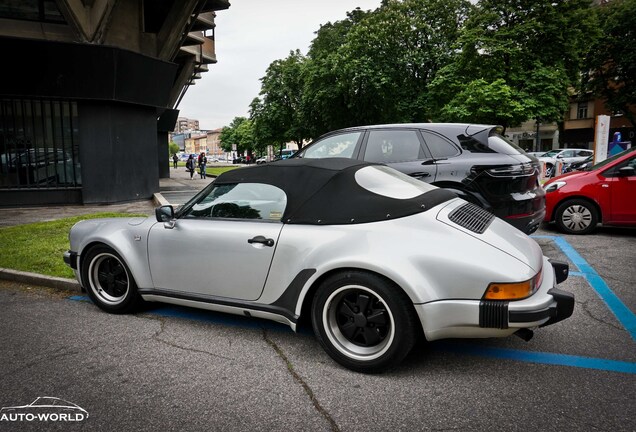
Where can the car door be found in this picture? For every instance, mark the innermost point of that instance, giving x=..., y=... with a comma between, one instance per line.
x=402, y=150
x=221, y=246
x=622, y=193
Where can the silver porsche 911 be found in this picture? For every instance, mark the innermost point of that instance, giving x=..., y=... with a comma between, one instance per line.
x=370, y=256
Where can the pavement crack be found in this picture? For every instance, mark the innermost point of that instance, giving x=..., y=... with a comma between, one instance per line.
x=584, y=306
x=158, y=333
x=303, y=384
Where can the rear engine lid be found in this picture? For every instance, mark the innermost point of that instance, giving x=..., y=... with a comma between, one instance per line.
x=484, y=226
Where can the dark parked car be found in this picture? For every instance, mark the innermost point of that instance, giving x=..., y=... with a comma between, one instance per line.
x=474, y=161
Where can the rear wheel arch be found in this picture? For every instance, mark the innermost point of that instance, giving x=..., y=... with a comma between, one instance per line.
x=363, y=320
x=305, y=311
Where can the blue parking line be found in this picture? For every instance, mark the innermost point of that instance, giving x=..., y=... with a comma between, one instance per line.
x=540, y=357
x=624, y=315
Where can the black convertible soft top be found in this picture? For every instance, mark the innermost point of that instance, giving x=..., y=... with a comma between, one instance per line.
x=325, y=192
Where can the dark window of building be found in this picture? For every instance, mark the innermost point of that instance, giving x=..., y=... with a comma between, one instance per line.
x=38, y=144
x=31, y=10
x=581, y=110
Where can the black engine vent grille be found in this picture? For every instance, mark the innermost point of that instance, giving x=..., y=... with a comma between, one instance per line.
x=493, y=314
x=471, y=217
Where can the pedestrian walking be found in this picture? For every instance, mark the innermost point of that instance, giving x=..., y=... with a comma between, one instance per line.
x=190, y=166
x=175, y=159
x=203, y=161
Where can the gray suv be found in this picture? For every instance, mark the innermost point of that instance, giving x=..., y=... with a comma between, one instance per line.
x=474, y=161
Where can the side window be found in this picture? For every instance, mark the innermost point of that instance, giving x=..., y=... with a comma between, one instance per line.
x=568, y=153
x=439, y=146
x=240, y=201
x=614, y=171
x=393, y=146
x=334, y=146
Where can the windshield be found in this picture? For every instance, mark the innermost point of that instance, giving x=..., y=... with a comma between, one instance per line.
x=608, y=161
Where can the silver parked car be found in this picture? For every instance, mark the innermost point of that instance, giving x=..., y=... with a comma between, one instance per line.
x=567, y=156
x=371, y=256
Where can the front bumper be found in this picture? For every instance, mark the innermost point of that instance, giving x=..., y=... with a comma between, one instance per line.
x=70, y=259
x=481, y=319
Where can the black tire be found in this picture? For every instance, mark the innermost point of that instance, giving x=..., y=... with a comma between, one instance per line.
x=576, y=216
x=364, y=322
x=549, y=170
x=108, y=281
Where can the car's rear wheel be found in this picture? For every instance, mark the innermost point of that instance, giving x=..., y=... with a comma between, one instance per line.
x=576, y=216
x=364, y=322
x=549, y=170
x=108, y=280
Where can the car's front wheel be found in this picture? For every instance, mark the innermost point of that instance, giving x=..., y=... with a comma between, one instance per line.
x=364, y=322
x=108, y=280
x=576, y=216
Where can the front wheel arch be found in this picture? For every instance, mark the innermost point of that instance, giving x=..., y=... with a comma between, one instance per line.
x=116, y=292
x=596, y=213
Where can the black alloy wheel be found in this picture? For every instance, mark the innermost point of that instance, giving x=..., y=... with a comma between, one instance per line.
x=363, y=321
x=108, y=280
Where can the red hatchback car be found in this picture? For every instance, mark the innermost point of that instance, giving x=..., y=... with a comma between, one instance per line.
x=605, y=192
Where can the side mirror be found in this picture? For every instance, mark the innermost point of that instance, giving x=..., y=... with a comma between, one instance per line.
x=165, y=214
x=559, y=156
x=627, y=171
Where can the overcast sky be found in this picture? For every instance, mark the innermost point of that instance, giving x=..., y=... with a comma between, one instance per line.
x=249, y=36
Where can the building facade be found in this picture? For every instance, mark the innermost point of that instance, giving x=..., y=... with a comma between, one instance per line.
x=89, y=94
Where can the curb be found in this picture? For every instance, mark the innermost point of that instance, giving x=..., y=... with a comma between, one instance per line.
x=159, y=199
x=41, y=280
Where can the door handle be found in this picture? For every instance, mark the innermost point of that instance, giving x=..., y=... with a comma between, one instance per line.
x=420, y=174
x=261, y=239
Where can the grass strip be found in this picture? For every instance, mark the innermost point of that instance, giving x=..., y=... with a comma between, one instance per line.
x=38, y=247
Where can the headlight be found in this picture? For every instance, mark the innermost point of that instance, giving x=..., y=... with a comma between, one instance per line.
x=554, y=186
x=514, y=290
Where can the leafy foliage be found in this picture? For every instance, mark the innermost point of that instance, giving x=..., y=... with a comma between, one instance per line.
x=240, y=132
x=497, y=61
x=612, y=59
x=519, y=56
x=173, y=148
x=277, y=114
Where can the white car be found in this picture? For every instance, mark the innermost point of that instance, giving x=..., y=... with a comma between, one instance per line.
x=370, y=256
x=567, y=156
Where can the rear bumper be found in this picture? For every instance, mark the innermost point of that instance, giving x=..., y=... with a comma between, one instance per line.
x=481, y=319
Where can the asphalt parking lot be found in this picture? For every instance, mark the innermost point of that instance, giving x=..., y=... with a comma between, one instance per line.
x=182, y=369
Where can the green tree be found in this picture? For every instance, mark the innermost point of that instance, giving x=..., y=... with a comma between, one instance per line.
x=529, y=50
x=277, y=113
x=239, y=133
x=173, y=148
x=375, y=67
x=612, y=59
